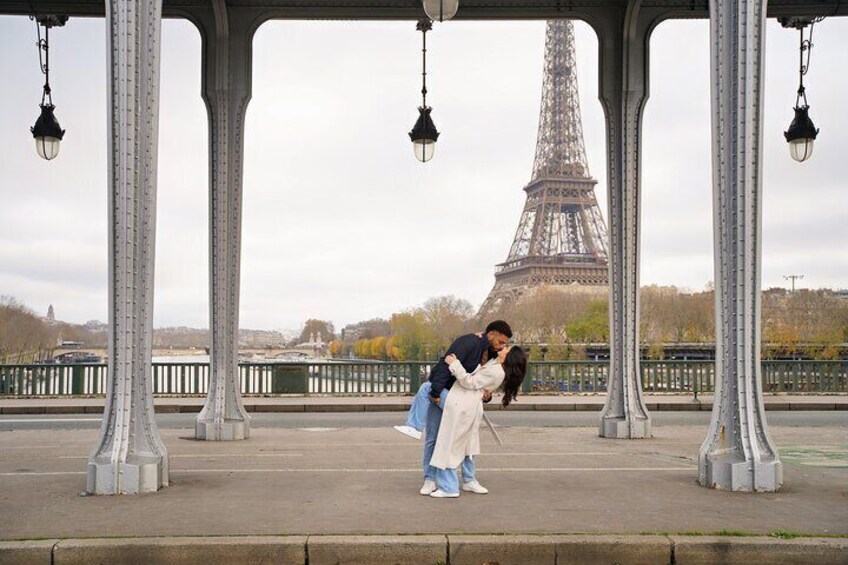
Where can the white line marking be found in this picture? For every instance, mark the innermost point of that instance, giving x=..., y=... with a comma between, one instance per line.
x=41, y=473
x=415, y=470
x=510, y=454
x=38, y=420
x=198, y=455
x=418, y=470
x=67, y=445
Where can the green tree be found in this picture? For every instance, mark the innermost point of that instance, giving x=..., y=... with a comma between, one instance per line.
x=557, y=351
x=535, y=353
x=409, y=330
x=592, y=325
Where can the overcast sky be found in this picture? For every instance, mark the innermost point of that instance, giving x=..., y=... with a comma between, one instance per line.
x=340, y=221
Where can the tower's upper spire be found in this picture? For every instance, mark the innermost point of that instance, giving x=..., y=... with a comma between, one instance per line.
x=559, y=144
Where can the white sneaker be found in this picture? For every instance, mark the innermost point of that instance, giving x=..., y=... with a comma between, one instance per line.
x=428, y=487
x=475, y=487
x=442, y=494
x=408, y=431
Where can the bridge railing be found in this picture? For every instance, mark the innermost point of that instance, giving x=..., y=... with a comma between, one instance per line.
x=363, y=378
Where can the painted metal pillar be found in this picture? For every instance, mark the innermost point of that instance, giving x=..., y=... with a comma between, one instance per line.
x=226, y=92
x=623, y=44
x=738, y=453
x=129, y=456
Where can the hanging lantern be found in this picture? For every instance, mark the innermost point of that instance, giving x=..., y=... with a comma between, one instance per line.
x=424, y=134
x=47, y=131
x=801, y=133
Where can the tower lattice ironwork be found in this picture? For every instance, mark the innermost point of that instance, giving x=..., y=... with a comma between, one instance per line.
x=561, y=238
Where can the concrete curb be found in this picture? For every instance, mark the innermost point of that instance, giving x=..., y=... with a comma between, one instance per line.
x=707, y=550
x=431, y=550
x=371, y=550
x=26, y=552
x=526, y=405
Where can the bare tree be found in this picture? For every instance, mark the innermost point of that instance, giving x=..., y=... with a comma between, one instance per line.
x=24, y=337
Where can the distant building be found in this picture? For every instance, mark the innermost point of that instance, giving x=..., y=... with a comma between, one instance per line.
x=351, y=333
x=51, y=315
x=365, y=330
x=261, y=338
x=95, y=326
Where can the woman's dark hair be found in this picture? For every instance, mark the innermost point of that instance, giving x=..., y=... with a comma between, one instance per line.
x=515, y=367
x=501, y=327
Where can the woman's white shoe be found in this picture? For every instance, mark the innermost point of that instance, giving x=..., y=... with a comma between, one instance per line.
x=428, y=487
x=475, y=487
x=408, y=431
x=442, y=494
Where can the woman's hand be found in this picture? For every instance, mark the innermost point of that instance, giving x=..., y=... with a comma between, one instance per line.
x=449, y=359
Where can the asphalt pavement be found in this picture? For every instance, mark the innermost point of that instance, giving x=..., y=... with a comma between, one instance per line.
x=541, y=419
x=342, y=487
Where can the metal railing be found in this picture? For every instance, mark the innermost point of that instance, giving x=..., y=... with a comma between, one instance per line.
x=363, y=378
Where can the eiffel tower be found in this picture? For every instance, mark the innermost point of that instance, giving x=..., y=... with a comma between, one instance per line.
x=561, y=238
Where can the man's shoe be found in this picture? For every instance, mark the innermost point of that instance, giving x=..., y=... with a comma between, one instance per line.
x=408, y=431
x=442, y=494
x=475, y=487
x=428, y=487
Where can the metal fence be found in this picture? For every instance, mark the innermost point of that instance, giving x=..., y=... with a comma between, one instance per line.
x=363, y=378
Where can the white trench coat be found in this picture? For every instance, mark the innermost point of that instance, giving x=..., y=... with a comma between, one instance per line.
x=459, y=432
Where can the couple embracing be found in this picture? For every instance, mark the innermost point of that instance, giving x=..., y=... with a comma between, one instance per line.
x=450, y=406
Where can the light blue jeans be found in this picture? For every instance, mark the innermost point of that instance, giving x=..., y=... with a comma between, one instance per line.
x=417, y=415
x=446, y=479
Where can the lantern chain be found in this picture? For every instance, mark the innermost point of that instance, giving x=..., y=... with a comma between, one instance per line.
x=424, y=25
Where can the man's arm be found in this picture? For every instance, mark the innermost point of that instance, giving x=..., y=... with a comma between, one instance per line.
x=441, y=375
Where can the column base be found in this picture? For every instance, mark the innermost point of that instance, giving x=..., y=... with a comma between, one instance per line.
x=140, y=474
x=621, y=428
x=228, y=430
x=731, y=472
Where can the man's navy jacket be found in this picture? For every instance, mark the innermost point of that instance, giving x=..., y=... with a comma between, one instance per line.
x=468, y=350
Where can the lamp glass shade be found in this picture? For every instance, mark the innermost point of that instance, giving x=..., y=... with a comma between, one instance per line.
x=440, y=10
x=424, y=135
x=801, y=134
x=424, y=149
x=47, y=133
x=801, y=149
x=47, y=147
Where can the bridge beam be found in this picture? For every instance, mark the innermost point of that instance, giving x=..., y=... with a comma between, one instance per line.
x=129, y=456
x=738, y=453
x=623, y=43
x=227, y=38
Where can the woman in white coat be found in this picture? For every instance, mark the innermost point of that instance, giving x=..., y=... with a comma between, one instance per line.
x=459, y=434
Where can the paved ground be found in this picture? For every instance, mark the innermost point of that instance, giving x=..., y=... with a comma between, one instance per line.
x=523, y=419
x=321, y=480
x=293, y=403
